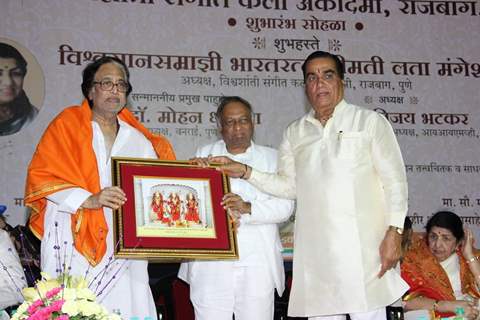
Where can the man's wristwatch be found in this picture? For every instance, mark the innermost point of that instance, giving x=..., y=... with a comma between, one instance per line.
x=397, y=230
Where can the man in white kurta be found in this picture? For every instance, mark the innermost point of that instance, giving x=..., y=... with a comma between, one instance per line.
x=121, y=285
x=69, y=189
x=219, y=289
x=343, y=165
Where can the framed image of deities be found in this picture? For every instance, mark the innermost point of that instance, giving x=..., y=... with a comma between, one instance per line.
x=173, y=211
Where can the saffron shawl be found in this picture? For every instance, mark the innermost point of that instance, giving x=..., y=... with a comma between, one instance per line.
x=65, y=158
x=426, y=277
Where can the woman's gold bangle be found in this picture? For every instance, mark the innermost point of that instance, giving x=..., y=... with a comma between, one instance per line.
x=472, y=259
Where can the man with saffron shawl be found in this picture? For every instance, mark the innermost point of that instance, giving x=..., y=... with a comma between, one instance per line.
x=69, y=189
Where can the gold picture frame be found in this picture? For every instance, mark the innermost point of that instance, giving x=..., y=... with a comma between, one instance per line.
x=173, y=211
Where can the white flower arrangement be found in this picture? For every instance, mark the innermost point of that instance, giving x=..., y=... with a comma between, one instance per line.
x=65, y=297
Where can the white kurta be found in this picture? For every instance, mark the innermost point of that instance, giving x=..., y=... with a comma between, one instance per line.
x=128, y=292
x=350, y=184
x=258, y=238
x=12, y=278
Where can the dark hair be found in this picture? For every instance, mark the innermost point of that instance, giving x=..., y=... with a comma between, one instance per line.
x=407, y=224
x=224, y=101
x=447, y=220
x=407, y=235
x=92, y=68
x=7, y=51
x=340, y=68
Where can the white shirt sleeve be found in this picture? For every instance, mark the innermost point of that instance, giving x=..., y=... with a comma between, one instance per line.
x=270, y=210
x=267, y=209
x=281, y=184
x=69, y=200
x=389, y=165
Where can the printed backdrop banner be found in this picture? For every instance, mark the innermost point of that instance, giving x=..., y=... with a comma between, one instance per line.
x=416, y=62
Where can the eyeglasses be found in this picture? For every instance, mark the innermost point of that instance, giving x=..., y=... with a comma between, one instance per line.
x=230, y=123
x=107, y=85
x=327, y=77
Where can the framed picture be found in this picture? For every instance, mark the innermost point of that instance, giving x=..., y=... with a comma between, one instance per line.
x=173, y=211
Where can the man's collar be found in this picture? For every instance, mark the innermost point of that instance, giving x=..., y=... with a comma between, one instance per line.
x=339, y=108
x=249, y=150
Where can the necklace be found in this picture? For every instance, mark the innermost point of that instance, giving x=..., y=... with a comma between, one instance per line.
x=323, y=120
x=104, y=122
x=323, y=114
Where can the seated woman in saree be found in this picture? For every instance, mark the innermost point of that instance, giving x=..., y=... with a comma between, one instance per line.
x=442, y=269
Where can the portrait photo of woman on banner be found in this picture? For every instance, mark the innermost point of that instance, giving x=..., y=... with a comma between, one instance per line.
x=16, y=111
